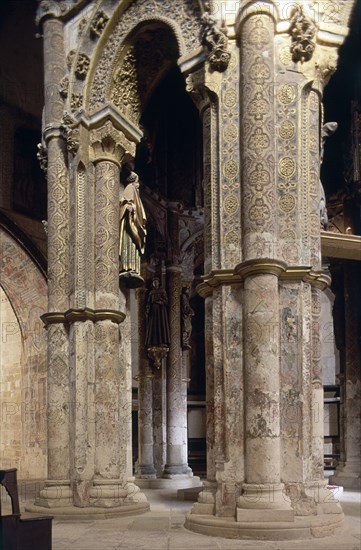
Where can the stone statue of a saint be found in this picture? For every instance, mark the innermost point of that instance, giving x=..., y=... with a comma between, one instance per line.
x=327, y=130
x=186, y=316
x=157, y=326
x=132, y=231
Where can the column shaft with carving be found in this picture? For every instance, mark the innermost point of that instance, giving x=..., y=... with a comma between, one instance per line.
x=57, y=490
x=145, y=397
x=177, y=448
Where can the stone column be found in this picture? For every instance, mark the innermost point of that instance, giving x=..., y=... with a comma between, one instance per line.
x=145, y=398
x=111, y=483
x=57, y=488
x=348, y=473
x=177, y=438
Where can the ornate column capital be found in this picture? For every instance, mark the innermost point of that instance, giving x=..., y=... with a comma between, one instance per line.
x=111, y=139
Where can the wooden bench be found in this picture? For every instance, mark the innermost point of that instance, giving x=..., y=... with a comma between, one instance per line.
x=17, y=533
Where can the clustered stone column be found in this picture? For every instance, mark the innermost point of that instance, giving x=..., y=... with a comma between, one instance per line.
x=263, y=283
x=177, y=455
x=57, y=488
x=145, y=378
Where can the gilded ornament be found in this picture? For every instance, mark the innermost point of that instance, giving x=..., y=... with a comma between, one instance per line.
x=286, y=167
x=259, y=35
x=287, y=203
x=258, y=140
x=232, y=239
x=230, y=97
x=285, y=55
x=230, y=132
x=287, y=129
x=230, y=169
x=287, y=93
x=259, y=71
x=259, y=212
x=231, y=204
x=259, y=177
x=258, y=106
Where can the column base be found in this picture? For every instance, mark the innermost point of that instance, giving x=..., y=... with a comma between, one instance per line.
x=171, y=470
x=264, y=502
x=173, y=483
x=301, y=528
x=348, y=475
x=102, y=496
x=146, y=471
x=55, y=494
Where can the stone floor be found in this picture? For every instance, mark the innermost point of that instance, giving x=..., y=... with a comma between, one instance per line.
x=162, y=529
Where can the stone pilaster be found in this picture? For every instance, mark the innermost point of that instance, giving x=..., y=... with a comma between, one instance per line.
x=145, y=399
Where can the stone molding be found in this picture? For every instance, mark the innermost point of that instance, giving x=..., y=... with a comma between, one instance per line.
x=86, y=314
x=285, y=273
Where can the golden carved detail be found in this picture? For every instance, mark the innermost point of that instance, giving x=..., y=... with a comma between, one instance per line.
x=287, y=129
x=287, y=93
x=232, y=239
x=285, y=55
x=230, y=169
x=287, y=167
x=259, y=177
x=287, y=203
x=258, y=140
x=231, y=204
x=230, y=132
x=230, y=97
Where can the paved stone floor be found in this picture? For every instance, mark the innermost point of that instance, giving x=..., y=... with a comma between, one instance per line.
x=162, y=529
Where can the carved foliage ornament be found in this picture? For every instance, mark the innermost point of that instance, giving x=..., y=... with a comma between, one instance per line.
x=302, y=31
x=71, y=132
x=98, y=23
x=216, y=41
x=42, y=155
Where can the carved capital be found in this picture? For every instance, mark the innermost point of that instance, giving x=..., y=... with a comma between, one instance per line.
x=108, y=143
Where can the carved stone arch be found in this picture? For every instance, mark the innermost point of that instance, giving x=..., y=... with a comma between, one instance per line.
x=148, y=53
x=185, y=24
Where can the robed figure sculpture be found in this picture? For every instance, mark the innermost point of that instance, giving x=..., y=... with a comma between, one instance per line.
x=132, y=232
x=157, y=335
